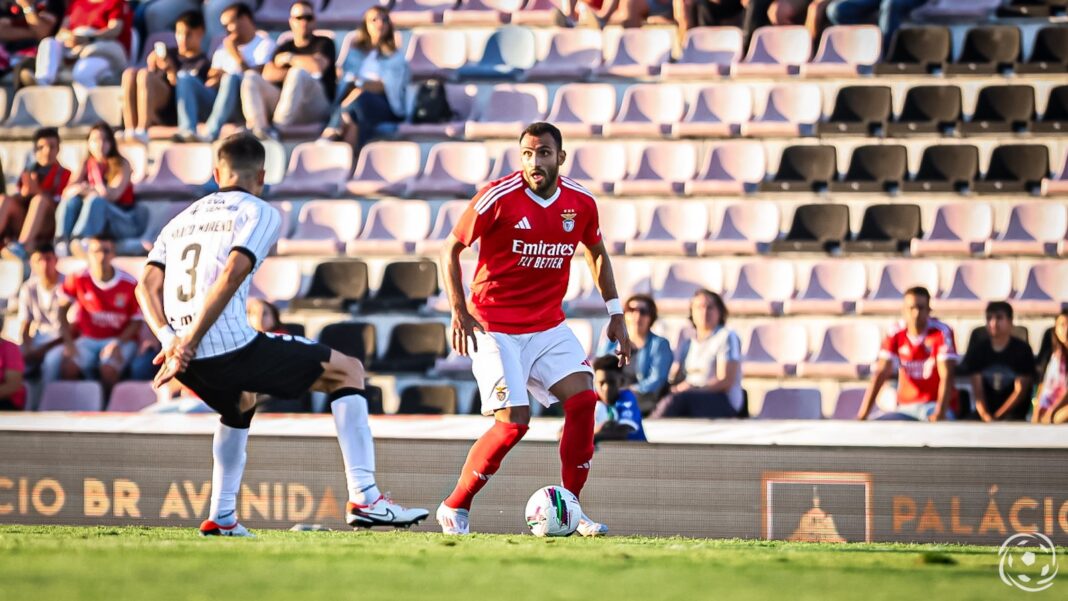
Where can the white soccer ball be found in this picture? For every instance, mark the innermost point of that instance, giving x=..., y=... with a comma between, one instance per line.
x=553, y=511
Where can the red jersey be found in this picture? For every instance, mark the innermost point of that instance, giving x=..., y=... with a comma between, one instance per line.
x=97, y=15
x=104, y=308
x=524, y=258
x=918, y=359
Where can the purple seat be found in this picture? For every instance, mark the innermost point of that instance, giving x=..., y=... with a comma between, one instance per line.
x=452, y=169
x=582, y=109
x=1046, y=290
x=959, y=229
x=448, y=215
x=674, y=289
x=179, y=172
x=847, y=351
x=674, y=230
x=747, y=228
x=277, y=280
x=316, y=169
x=894, y=278
x=663, y=169
x=596, y=166
x=507, y=110
x=573, y=55
x=384, y=168
x=640, y=53
x=708, y=52
x=848, y=404
x=1058, y=186
x=503, y=166
x=619, y=225
x=648, y=110
x=323, y=226
x=482, y=13
x=436, y=52
x=775, y=51
x=1034, y=228
x=792, y=110
x=975, y=283
x=761, y=288
x=845, y=51
x=834, y=287
x=775, y=349
x=131, y=397
x=81, y=395
x=393, y=227
x=344, y=15
x=792, y=403
x=461, y=98
x=407, y=14
x=730, y=168
x=718, y=112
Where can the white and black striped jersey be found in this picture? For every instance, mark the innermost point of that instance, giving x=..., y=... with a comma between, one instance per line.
x=193, y=250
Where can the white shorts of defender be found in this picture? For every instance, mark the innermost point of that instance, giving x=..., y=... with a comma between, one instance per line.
x=506, y=366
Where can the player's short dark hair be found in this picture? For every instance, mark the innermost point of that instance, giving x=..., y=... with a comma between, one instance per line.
x=540, y=128
x=243, y=10
x=44, y=248
x=609, y=363
x=918, y=291
x=44, y=133
x=192, y=19
x=996, y=307
x=242, y=153
x=648, y=300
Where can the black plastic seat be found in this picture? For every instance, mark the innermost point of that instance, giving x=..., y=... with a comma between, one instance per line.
x=804, y=169
x=946, y=168
x=406, y=285
x=354, y=338
x=1055, y=118
x=336, y=286
x=1002, y=109
x=1015, y=168
x=875, y=168
x=428, y=399
x=815, y=228
x=414, y=347
x=859, y=110
x=988, y=49
x=886, y=228
x=1049, y=53
x=916, y=51
x=928, y=110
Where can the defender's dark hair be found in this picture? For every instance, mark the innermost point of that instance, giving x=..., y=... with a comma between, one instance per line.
x=995, y=307
x=44, y=133
x=541, y=128
x=607, y=363
x=192, y=19
x=918, y=291
x=242, y=152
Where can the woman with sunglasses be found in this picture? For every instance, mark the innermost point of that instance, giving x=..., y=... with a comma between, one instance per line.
x=651, y=355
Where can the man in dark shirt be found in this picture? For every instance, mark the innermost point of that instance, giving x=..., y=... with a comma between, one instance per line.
x=1001, y=367
x=297, y=86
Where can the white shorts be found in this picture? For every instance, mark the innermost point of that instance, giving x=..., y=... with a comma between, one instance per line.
x=506, y=366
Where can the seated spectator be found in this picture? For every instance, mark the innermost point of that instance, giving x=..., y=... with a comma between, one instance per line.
x=23, y=24
x=243, y=49
x=263, y=317
x=374, y=82
x=628, y=13
x=108, y=319
x=299, y=83
x=650, y=355
x=39, y=311
x=28, y=217
x=148, y=93
x=707, y=13
x=100, y=199
x=617, y=416
x=708, y=365
x=926, y=354
x=12, y=391
x=93, y=42
x=1001, y=367
x=887, y=14
x=1051, y=406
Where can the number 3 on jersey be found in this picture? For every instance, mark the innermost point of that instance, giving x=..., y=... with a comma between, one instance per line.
x=187, y=294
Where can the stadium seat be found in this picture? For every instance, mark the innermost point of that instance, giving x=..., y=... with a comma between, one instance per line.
x=987, y=50
x=619, y=224
x=747, y=228
x=406, y=285
x=833, y=288
x=847, y=351
x=718, y=112
x=1055, y=117
x=131, y=396
x=336, y=285
x=707, y=53
x=976, y=283
x=815, y=228
x=317, y=168
x=81, y=395
x=633, y=276
x=663, y=169
x=775, y=349
x=354, y=338
x=504, y=165
x=946, y=168
x=536, y=13
x=38, y=106
x=507, y=110
x=406, y=14
x=1046, y=289
x=179, y=172
x=804, y=168
x=452, y=169
x=582, y=109
x=448, y=215
x=1002, y=110
x=792, y=403
x=435, y=52
x=674, y=289
x=508, y=53
x=916, y=50
x=347, y=15
x=102, y=103
x=597, y=166
x=875, y=168
x=572, y=56
x=480, y=13
x=1032, y=8
x=413, y=347
x=1016, y=168
x=275, y=13
x=731, y=168
x=845, y=51
x=951, y=10
x=384, y=168
x=1049, y=53
x=1058, y=186
x=461, y=99
x=761, y=287
x=886, y=228
x=894, y=278
x=1034, y=228
x=674, y=230
x=285, y=210
x=928, y=109
x=323, y=227
x=791, y=110
x=276, y=280
x=640, y=53
x=775, y=51
x=859, y=110
x=848, y=404
x=393, y=227
x=647, y=111
x=959, y=229
x=428, y=399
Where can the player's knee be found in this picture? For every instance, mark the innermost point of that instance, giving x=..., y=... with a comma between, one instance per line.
x=348, y=371
x=514, y=415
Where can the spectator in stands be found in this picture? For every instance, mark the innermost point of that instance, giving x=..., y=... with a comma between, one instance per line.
x=760, y=13
x=39, y=311
x=108, y=319
x=650, y=355
x=888, y=14
x=707, y=13
x=243, y=50
x=628, y=13
x=617, y=416
x=375, y=80
x=1052, y=399
x=12, y=391
x=23, y=24
x=298, y=85
x=926, y=353
x=1001, y=367
x=708, y=365
x=148, y=93
x=264, y=317
x=28, y=216
x=93, y=42
x=101, y=198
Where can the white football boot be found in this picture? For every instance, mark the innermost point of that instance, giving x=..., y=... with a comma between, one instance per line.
x=453, y=521
x=383, y=512
x=588, y=527
x=210, y=528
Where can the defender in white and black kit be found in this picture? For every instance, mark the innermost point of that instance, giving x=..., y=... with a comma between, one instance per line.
x=193, y=294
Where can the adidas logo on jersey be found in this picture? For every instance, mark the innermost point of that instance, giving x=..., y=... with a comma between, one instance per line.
x=523, y=224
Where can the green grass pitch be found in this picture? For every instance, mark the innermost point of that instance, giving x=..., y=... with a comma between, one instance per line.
x=113, y=564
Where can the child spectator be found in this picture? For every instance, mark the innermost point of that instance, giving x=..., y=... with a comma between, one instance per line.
x=39, y=310
x=1001, y=367
x=617, y=415
x=28, y=216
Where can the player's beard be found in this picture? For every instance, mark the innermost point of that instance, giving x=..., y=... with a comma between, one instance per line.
x=548, y=178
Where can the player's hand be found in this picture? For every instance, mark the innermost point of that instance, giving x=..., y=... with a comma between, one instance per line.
x=617, y=332
x=175, y=359
x=463, y=328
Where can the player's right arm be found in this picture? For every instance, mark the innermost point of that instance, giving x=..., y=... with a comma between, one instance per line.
x=463, y=323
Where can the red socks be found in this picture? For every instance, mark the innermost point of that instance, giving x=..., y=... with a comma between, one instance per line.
x=576, y=442
x=485, y=459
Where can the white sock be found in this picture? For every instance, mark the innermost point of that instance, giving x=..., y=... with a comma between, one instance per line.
x=228, y=450
x=357, y=447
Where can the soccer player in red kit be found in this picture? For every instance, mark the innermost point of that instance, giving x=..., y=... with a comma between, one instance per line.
x=529, y=225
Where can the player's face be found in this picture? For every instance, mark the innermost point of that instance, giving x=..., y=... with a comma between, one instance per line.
x=998, y=325
x=1060, y=329
x=46, y=151
x=189, y=38
x=98, y=144
x=541, y=161
x=100, y=253
x=606, y=384
x=916, y=311
x=639, y=318
x=43, y=265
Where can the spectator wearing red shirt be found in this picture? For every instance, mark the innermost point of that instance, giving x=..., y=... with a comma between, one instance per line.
x=94, y=38
x=23, y=24
x=108, y=318
x=12, y=392
x=926, y=356
x=29, y=213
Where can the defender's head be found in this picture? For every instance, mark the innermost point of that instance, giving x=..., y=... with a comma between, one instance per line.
x=239, y=162
x=541, y=152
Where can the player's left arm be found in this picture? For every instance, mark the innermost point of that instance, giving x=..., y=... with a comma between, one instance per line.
x=601, y=268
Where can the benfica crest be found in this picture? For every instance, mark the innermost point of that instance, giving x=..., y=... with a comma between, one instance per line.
x=569, y=219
